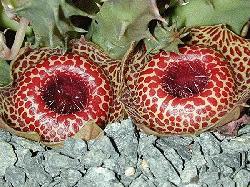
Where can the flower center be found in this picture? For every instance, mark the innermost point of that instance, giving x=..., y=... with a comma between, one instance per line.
x=185, y=78
x=65, y=93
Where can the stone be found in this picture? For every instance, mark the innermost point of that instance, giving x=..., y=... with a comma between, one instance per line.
x=238, y=144
x=56, y=160
x=154, y=157
x=209, y=178
x=7, y=157
x=99, y=176
x=189, y=174
x=15, y=176
x=5, y=136
x=31, y=183
x=242, y=177
x=178, y=143
x=124, y=137
x=73, y=148
x=142, y=181
x=210, y=145
x=232, y=160
x=226, y=181
x=71, y=176
x=174, y=159
x=26, y=144
x=104, y=144
x=94, y=158
x=22, y=154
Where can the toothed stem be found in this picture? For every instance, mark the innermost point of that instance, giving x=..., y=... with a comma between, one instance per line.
x=19, y=38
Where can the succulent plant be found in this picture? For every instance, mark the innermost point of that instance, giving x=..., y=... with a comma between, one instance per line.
x=235, y=48
x=132, y=62
x=193, y=13
x=55, y=94
x=182, y=93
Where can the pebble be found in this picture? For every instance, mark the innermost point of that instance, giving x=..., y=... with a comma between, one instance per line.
x=5, y=136
x=124, y=137
x=26, y=144
x=73, y=148
x=56, y=160
x=174, y=159
x=189, y=174
x=71, y=176
x=209, y=144
x=153, y=157
x=7, y=157
x=99, y=176
x=15, y=176
x=242, y=178
x=124, y=157
x=94, y=158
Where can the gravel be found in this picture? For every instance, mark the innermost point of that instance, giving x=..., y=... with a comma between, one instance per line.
x=126, y=157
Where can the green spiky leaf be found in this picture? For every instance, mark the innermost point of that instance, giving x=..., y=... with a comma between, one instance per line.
x=165, y=38
x=234, y=13
x=50, y=20
x=119, y=22
x=9, y=23
x=5, y=77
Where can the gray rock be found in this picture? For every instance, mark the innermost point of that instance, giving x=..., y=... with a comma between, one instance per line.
x=227, y=182
x=94, y=158
x=244, y=130
x=112, y=164
x=153, y=157
x=104, y=144
x=180, y=144
x=7, y=157
x=70, y=176
x=209, y=178
x=238, y=144
x=31, y=183
x=38, y=174
x=73, y=148
x=197, y=157
x=5, y=136
x=174, y=159
x=124, y=137
x=99, y=177
x=231, y=160
x=210, y=145
x=189, y=174
x=22, y=155
x=142, y=181
x=242, y=178
x=2, y=181
x=26, y=144
x=15, y=176
x=56, y=160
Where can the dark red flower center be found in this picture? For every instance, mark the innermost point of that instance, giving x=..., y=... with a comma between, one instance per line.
x=65, y=93
x=185, y=78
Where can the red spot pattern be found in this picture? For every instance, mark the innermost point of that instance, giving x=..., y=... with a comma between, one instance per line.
x=235, y=48
x=185, y=113
x=32, y=113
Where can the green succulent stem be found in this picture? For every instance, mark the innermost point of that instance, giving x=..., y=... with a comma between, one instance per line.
x=121, y=22
x=234, y=13
x=5, y=77
x=8, y=23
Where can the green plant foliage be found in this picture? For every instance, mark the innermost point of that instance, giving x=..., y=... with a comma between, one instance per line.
x=165, y=38
x=5, y=77
x=50, y=19
x=119, y=22
x=9, y=23
x=234, y=13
